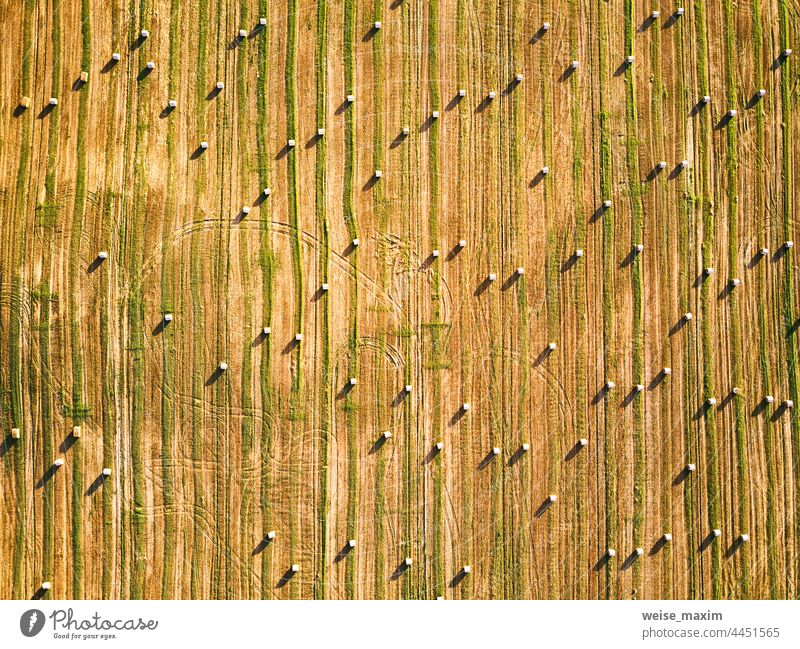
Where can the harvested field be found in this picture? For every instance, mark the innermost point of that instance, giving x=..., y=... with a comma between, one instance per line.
x=236, y=260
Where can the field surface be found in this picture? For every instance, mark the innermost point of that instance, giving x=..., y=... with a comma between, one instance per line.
x=473, y=281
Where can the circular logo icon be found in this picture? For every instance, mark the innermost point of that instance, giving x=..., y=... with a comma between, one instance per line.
x=31, y=622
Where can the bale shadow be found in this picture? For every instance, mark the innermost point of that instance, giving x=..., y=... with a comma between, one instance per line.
x=144, y=73
x=18, y=110
x=779, y=61
x=51, y=471
x=214, y=377
x=78, y=84
x=213, y=93
x=657, y=546
x=726, y=400
x=567, y=73
x=510, y=281
x=159, y=328
x=48, y=108
x=371, y=182
x=349, y=249
x=542, y=357
x=761, y=406
x=597, y=214
x=137, y=42
x=706, y=542
x=511, y=87
x=486, y=461
x=676, y=171
x=546, y=504
x=621, y=68
x=96, y=262
x=235, y=42
x=166, y=112
x=431, y=455
x=601, y=394
x=734, y=548
x=697, y=108
x=702, y=411
x=569, y=262
x=453, y=253
x=628, y=400
x=700, y=279
x=429, y=120
x=256, y=30
x=342, y=107
x=399, y=398
x=753, y=262
x=681, y=477
x=7, y=444
x=629, y=560
x=262, y=545
x=455, y=100
x=239, y=217
x=370, y=34
x=629, y=258
x=516, y=457
x=285, y=579
x=398, y=140
x=722, y=123
x=671, y=20
x=458, y=578
x=427, y=262
x=573, y=451
x=481, y=288
x=313, y=141
x=484, y=104
x=378, y=444
x=96, y=484
x=197, y=153
x=657, y=380
x=67, y=443
x=539, y=35
x=654, y=173
x=791, y=330
x=283, y=152
x=343, y=553
x=108, y=66
x=646, y=24
x=678, y=326
x=344, y=391
x=726, y=291
x=402, y=568
x=40, y=592
x=753, y=101
x=458, y=415
x=291, y=345
x=778, y=413
x=602, y=562
x=537, y=179
x=780, y=253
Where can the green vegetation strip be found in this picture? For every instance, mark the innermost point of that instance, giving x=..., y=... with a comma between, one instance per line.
x=266, y=261
x=196, y=254
x=579, y=304
x=79, y=410
x=168, y=264
x=707, y=297
x=323, y=233
x=47, y=215
x=788, y=90
x=15, y=319
x=350, y=401
x=609, y=267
